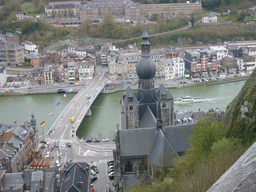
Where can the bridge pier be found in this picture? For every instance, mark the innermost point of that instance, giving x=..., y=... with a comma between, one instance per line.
x=89, y=113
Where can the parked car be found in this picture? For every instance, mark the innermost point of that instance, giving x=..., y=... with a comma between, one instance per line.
x=48, y=154
x=111, y=166
x=111, y=175
x=111, y=170
x=96, y=170
x=111, y=162
x=96, y=140
x=92, y=172
x=57, y=162
x=88, y=97
x=93, y=179
x=88, y=140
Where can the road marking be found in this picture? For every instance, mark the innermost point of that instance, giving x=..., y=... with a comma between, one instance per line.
x=89, y=153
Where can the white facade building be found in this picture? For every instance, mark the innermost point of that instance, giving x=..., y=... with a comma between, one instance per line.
x=174, y=68
x=3, y=76
x=85, y=70
x=210, y=19
x=30, y=47
x=221, y=52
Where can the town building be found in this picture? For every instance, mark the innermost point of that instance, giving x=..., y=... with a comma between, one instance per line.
x=63, y=9
x=210, y=19
x=123, y=65
x=170, y=10
x=174, y=68
x=10, y=37
x=123, y=11
x=11, y=54
x=3, y=76
x=85, y=70
x=53, y=56
x=48, y=75
x=37, y=76
x=19, y=15
x=148, y=135
x=76, y=177
x=33, y=59
x=199, y=61
x=17, y=143
x=80, y=71
x=221, y=52
x=30, y=47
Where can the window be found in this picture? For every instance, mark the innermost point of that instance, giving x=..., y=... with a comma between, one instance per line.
x=131, y=108
x=128, y=166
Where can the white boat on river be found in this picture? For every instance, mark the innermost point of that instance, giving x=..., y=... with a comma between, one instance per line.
x=187, y=99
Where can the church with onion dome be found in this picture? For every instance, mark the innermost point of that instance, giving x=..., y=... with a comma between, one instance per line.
x=148, y=137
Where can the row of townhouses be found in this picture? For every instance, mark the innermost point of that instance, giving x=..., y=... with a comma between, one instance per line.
x=78, y=63
x=122, y=10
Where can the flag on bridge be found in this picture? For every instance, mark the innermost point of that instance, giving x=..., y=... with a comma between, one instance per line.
x=58, y=103
x=43, y=123
x=50, y=114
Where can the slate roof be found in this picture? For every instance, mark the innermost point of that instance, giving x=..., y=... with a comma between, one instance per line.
x=32, y=56
x=15, y=141
x=162, y=150
x=127, y=95
x=136, y=142
x=148, y=119
x=13, y=179
x=27, y=178
x=163, y=93
x=178, y=136
x=154, y=142
x=74, y=174
x=49, y=181
x=6, y=150
x=36, y=180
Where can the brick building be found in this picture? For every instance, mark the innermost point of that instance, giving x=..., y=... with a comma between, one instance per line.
x=17, y=143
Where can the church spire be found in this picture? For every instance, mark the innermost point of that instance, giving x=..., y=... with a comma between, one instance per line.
x=145, y=45
x=146, y=68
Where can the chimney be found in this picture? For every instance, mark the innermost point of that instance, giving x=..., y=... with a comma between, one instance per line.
x=79, y=184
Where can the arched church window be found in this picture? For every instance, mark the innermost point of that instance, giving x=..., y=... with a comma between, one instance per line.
x=163, y=105
x=131, y=108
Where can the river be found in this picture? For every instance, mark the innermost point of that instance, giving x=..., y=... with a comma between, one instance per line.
x=105, y=109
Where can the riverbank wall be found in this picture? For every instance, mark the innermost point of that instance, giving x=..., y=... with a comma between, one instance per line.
x=114, y=87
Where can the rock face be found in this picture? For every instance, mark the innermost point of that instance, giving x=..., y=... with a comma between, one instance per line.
x=240, y=117
x=240, y=122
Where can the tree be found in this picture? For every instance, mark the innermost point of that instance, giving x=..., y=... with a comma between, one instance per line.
x=241, y=18
x=108, y=26
x=192, y=20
